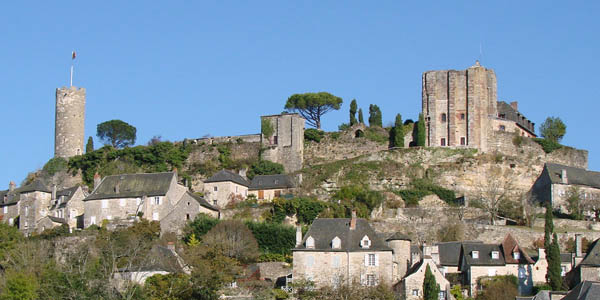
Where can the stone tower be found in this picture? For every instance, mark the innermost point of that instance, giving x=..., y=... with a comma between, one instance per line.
x=457, y=106
x=286, y=144
x=69, y=122
x=400, y=245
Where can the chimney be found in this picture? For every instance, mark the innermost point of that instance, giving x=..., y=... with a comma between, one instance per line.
x=171, y=246
x=563, y=177
x=242, y=172
x=175, y=170
x=53, y=192
x=11, y=186
x=353, y=220
x=298, y=235
x=515, y=105
x=97, y=180
x=541, y=253
x=117, y=187
x=578, y=246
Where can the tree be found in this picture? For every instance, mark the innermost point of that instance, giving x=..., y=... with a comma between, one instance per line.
x=116, y=133
x=89, y=147
x=9, y=237
x=264, y=167
x=397, y=133
x=553, y=276
x=548, y=226
x=553, y=129
x=19, y=286
x=233, y=239
x=431, y=288
x=574, y=203
x=420, y=131
x=361, y=120
x=494, y=189
x=312, y=106
x=353, y=108
x=375, y=116
x=499, y=288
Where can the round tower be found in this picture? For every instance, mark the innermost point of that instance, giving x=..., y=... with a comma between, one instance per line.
x=400, y=244
x=69, y=122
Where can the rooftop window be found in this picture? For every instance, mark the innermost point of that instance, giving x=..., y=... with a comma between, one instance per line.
x=475, y=254
x=495, y=254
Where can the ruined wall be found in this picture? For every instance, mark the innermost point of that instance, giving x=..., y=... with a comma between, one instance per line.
x=286, y=145
x=342, y=145
x=69, y=122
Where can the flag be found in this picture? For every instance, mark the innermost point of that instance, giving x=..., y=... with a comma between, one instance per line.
x=73, y=54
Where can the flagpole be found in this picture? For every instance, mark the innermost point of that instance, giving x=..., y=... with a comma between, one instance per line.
x=71, y=74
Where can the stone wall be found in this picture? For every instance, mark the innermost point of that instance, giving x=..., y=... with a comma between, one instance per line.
x=247, y=138
x=342, y=145
x=69, y=131
x=286, y=145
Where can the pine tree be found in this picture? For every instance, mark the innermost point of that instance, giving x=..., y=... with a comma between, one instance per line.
x=421, y=131
x=397, y=133
x=90, y=145
x=431, y=289
x=554, y=269
x=361, y=120
x=375, y=116
x=353, y=108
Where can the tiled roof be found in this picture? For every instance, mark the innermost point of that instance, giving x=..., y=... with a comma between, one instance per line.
x=485, y=254
x=575, y=176
x=510, y=246
x=324, y=230
x=132, y=186
x=225, y=175
x=265, y=182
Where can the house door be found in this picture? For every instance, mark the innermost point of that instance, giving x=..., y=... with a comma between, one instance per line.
x=261, y=194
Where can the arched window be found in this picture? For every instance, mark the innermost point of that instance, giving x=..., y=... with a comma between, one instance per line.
x=310, y=242
x=443, y=118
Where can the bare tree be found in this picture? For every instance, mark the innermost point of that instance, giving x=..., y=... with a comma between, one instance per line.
x=232, y=238
x=494, y=189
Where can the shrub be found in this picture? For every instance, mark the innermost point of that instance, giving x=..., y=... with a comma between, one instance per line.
x=55, y=165
x=343, y=126
x=422, y=187
x=376, y=135
x=517, y=140
x=305, y=209
x=264, y=167
x=547, y=145
x=273, y=238
x=312, y=134
x=200, y=226
x=266, y=128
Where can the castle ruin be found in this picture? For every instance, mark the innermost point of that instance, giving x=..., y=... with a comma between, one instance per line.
x=69, y=131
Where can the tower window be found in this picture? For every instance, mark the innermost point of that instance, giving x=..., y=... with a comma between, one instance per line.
x=462, y=116
x=443, y=118
x=443, y=142
x=502, y=128
x=463, y=141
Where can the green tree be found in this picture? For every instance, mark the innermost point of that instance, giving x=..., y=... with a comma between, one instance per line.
x=553, y=274
x=421, y=131
x=361, y=120
x=375, y=116
x=548, y=226
x=312, y=106
x=19, y=286
x=431, y=288
x=168, y=286
x=233, y=239
x=397, y=133
x=264, y=167
x=89, y=147
x=116, y=133
x=499, y=288
x=553, y=129
x=353, y=108
x=9, y=238
x=266, y=128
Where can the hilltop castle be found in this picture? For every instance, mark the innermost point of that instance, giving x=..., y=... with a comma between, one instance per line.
x=69, y=125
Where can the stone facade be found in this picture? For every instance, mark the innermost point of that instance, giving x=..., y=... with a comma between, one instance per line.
x=185, y=210
x=411, y=286
x=220, y=194
x=69, y=131
x=461, y=109
x=34, y=205
x=286, y=145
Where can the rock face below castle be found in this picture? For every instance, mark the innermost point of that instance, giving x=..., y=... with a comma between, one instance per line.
x=69, y=122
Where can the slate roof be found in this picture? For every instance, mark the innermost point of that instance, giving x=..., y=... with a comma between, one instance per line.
x=399, y=237
x=202, y=201
x=324, y=230
x=132, y=185
x=35, y=186
x=485, y=254
x=592, y=258
x=11, y=197
x=449, y=253
x=225, y=175
x=576, y=176
x=67, y=193
x=509, y=246
x=566, y=257
x=514, y=115
x=586, y=290
x=266, y=182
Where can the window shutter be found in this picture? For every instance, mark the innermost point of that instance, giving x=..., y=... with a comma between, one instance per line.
x=366, y=260
x=376, y=260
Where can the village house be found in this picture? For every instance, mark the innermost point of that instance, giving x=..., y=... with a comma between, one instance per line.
x=268, y=187
x=224, y=187
x=411, y=286
x=153, y=196
x=589, y=267
x=342, y=251
x=67, y=204
x=34, y=204
x=9, y=204
x=558, y=182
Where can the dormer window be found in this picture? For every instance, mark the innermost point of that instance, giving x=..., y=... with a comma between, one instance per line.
x=310, y=242
x=365, y=242
x=495, y=255
x=475, y=254
x=336, y=243
x=516, y=255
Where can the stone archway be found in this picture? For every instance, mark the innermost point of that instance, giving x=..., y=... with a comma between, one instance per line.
x=359, y=133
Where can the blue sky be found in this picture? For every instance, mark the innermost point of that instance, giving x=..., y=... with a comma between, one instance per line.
x=187, y=69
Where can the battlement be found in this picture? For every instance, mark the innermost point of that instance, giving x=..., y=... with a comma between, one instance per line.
x=71, y=88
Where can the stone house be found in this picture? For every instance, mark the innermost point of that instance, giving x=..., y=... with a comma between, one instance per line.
x=153, y=196
x=267, y=187
x=186, y=210
x=461, y=109
x=34, y=204
x=557, y=182
x=342, y=251
x=67, y=204
x=225, y=186
x=589, y=267
x=411, y=286
x=9, y=204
